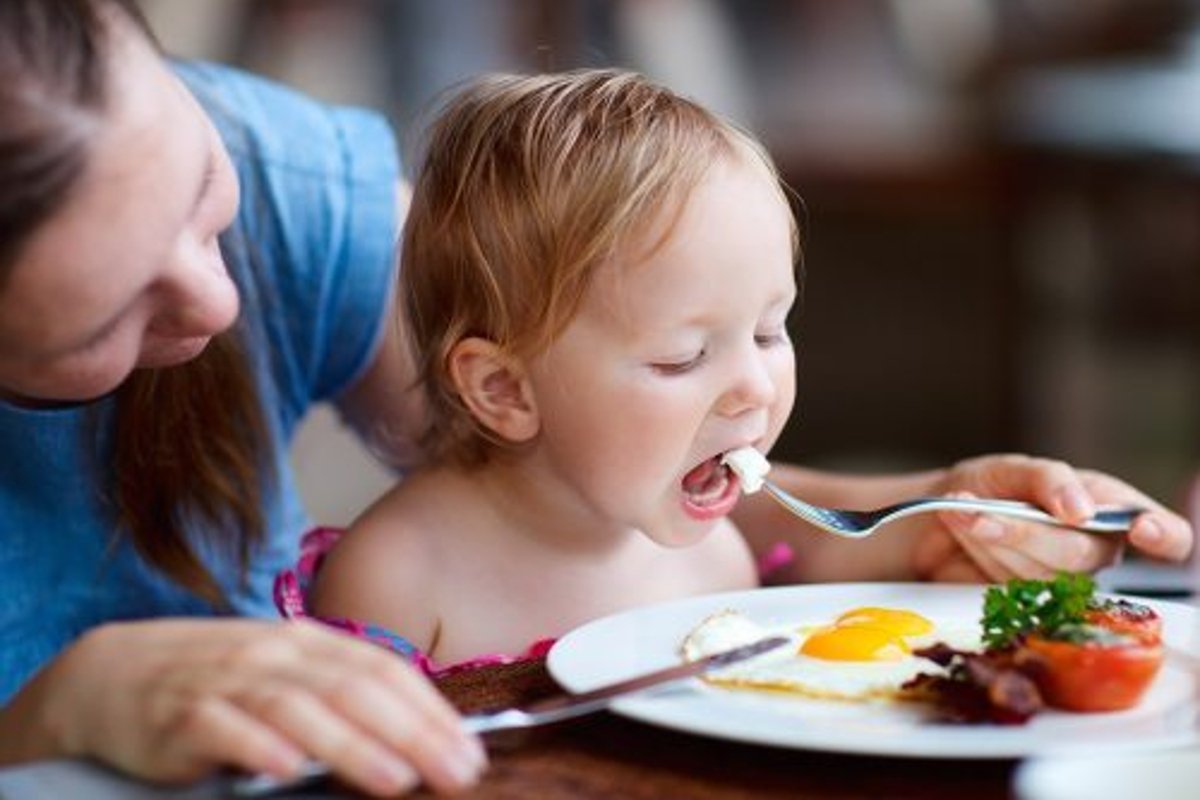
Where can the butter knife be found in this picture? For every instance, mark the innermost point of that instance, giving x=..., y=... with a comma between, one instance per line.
x=543, y=712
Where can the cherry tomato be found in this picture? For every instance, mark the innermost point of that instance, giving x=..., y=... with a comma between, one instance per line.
x=1108, y=674
x=1123, y=616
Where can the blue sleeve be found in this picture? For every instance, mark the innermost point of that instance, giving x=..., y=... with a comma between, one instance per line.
x=318, y=220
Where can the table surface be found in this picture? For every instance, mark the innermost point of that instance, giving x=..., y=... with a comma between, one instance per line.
x=600, y=756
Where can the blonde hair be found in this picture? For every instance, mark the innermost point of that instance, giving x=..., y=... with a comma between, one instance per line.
x=529, y=183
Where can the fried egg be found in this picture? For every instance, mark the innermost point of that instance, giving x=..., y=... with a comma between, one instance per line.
x=863, y=654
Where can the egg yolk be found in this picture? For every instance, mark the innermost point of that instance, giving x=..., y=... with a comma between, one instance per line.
x=898, y=621
x=855, y=642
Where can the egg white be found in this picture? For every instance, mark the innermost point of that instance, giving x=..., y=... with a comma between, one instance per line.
x=787, y=670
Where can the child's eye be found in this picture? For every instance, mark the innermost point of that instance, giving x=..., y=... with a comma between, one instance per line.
x=770, y=339
x=677, y=367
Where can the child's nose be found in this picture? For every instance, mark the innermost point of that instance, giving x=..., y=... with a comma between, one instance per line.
x=753, y=388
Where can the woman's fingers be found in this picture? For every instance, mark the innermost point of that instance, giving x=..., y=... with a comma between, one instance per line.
x=939, y=556
x=1072, y=496
x=1159, y=532
x=1162, y=534
x=1054, y=485
x=217, y=733
x=173, y=700
x=384, y=723
x=441, y=752
x=330, y=737
x=996, y=564
x=1005, y=548
x=394, y=702
x=1050, y=548
x=402, y=681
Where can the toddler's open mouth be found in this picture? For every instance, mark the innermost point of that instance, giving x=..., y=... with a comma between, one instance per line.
x=711, y=489
x=708, y=482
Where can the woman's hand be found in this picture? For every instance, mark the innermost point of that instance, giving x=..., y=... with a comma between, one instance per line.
x=993, y=548
x=172, y=700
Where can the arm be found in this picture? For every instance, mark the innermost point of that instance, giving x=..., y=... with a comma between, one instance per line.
x=957, y=546
x=172, y=700
x=384, y=406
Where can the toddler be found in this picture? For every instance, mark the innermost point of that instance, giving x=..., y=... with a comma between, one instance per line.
x=598, y=275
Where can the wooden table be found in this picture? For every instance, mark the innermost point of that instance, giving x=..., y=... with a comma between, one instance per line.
x=607, y=756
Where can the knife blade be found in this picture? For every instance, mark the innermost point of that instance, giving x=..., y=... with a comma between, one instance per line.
x=566, y=706
x=542, y=712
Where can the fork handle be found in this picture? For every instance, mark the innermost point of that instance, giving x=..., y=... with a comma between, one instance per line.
x=1111, y=520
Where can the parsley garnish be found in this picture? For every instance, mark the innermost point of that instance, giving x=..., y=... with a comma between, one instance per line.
x=1026, y=606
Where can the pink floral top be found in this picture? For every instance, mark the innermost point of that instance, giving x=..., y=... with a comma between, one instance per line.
x=291, y=589
x=292, y=585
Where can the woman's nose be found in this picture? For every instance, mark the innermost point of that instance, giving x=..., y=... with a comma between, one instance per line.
x=752, y=388
x=198, y=296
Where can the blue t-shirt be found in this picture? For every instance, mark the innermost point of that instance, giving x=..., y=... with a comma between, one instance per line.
x=319, y=212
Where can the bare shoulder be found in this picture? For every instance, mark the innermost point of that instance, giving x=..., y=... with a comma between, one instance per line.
x=383, y=571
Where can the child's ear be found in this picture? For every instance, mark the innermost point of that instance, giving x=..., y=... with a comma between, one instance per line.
x=495, y=388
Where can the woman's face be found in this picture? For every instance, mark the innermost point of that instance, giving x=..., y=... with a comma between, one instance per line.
x=128, y=273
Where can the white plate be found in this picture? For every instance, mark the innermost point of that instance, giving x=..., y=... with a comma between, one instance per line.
x=1171, y=775
x=640, y=640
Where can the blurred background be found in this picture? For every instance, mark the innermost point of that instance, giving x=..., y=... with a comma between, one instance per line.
x=1000, y=198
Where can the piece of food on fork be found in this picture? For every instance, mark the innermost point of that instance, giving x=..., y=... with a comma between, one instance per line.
x=749, y=465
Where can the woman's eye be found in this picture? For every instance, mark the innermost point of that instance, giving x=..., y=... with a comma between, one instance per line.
x=677, y=367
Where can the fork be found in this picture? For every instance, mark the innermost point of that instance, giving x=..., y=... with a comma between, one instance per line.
x=861, y=524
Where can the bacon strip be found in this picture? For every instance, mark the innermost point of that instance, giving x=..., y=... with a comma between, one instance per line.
x=978, y=687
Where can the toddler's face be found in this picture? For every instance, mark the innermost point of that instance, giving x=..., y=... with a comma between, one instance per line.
x=675, y=358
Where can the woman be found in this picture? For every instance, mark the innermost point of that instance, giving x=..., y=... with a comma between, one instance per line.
x=144, y=485
x=116, y=185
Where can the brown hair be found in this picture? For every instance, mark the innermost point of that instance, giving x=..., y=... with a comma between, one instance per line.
x=190, y=445
x=529, y=183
